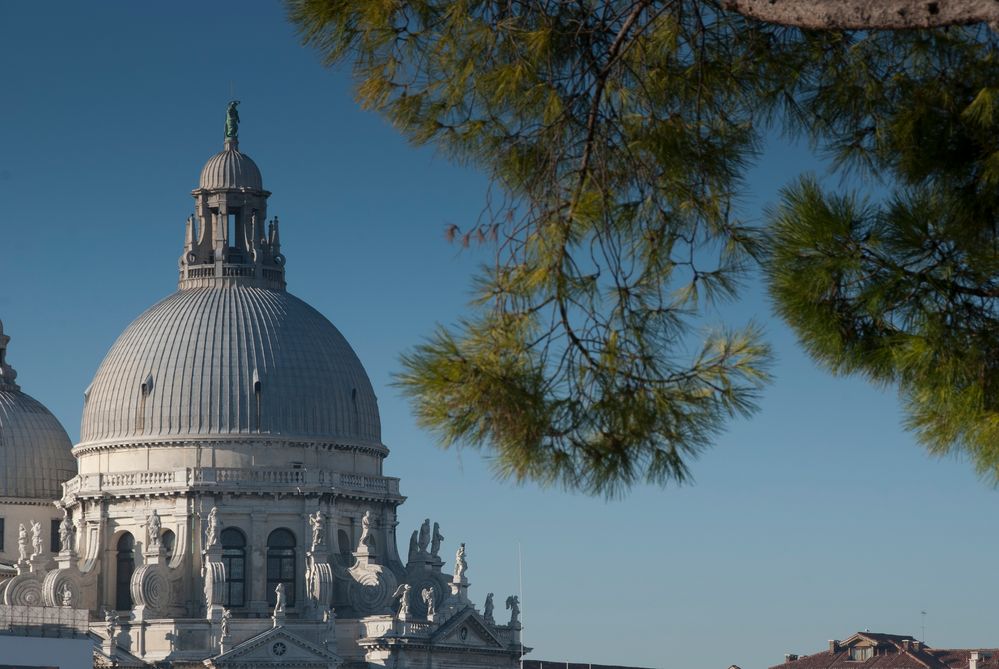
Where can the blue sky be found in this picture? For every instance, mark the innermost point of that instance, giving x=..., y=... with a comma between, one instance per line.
x=817, y=518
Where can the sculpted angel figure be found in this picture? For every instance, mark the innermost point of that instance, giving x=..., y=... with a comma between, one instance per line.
x=424, y=535
x=36, y=538
x=402, y=594
x=459, y=564
x=65, y=533
x=435, y=541
x=109, y=623
x=22, y=542
x=153, y=527
x=428, y=598
x=513, y=603
x=488, y=614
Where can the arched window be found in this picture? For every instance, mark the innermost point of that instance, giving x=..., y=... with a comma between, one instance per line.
x=281, y=565
x=169, y=541
x=234, y=559
x=125, y=565
x=345, y=547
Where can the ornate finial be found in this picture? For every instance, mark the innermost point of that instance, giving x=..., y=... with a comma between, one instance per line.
x=232, y=122
x=7, y=373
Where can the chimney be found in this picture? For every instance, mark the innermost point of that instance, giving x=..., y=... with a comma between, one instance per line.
x=906, y=644
x=973, y=659
x=833, y=645
x=917, y=645
x=790, y=657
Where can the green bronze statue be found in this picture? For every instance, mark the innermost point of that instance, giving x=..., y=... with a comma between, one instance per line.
x=232, y=120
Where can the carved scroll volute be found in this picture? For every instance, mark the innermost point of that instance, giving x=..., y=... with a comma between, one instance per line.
x=214, y=583
x=150, y=588
x=319, y=584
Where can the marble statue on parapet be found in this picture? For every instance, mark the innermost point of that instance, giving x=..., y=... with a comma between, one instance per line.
x=153, y=527
x=366, y=540
x=109, y=623
x=513, y=603
x=488, y=612
x=65, y=533
x=459, y=564
x=279, y=600
x=424, y=536
x=226, y=617
x=428, y=598
x=212, y=528
x=402, y=594
x=316, y=523
x=329, y=638
x=435, y=541
x=22, y=543
x=414, y=549
x=36, y=539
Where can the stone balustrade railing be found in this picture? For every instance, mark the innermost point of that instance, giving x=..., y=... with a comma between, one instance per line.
x=233, y=478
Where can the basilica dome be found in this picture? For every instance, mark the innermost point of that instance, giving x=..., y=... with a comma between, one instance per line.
x=231, y=360
x=231, y=355
x=34, y=448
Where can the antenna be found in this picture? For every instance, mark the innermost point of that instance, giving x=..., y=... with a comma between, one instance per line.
x=923, y=614
x=520, y=579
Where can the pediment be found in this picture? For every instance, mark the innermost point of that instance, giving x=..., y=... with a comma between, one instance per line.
x=466, y=628
x=276, y=647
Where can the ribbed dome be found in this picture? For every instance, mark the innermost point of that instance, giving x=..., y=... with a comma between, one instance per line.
x=190, y=366
x=34, y=448
x=231, y=169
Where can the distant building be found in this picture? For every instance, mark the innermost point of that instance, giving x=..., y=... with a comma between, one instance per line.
x=873, y=650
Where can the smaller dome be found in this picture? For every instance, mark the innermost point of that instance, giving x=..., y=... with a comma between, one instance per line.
x=34, y=448
x=230, y=169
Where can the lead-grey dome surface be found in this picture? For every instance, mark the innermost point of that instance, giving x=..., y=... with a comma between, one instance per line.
x=35, y=454
x=231, y=169
x=231, y=360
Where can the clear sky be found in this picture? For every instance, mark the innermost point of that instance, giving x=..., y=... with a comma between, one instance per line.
x=817, y=518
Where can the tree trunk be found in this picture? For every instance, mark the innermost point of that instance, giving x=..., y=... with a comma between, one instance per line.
x=868, y=14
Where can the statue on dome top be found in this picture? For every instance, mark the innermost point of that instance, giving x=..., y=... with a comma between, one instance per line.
x=232, y=120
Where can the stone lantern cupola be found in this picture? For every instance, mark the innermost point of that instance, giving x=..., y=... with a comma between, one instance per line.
x=227, y=239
